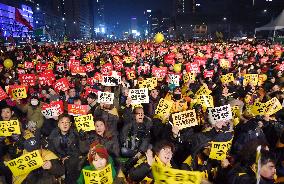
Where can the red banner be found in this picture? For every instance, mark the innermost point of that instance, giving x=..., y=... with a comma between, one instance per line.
x=3, y=94
x=29, y=65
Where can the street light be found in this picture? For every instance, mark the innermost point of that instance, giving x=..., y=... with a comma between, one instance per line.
x=74, y=22
x=224, y=18
x=37, y=8
x=265, y=11
x=63, y=18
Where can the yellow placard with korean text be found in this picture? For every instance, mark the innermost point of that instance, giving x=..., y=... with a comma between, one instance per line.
x=163, y=109
x=163, y=174
x=224, y=63
x=225, y=79
x=185, y=119
x=149, y=83
x=85, y=123
x=273, y=106
x=203, y=90
x=19, y=93
x=103, y=176
x=250, y=79
x=258, y=108
x=205, y=100
x=50, y=66
x=188, y=77
x=25, y=163
x=8, y=128
x=219, y=150
x=236, y=114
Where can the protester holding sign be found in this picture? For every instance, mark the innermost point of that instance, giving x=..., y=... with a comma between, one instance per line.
x=100, y=161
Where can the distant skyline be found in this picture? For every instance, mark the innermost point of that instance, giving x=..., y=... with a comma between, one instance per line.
x=122, y=10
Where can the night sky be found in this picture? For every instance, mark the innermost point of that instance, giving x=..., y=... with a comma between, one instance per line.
x=122, y=10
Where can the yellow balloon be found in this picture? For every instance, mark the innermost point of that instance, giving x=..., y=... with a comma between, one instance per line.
x=177, y=68
x=159, y=38
x=8, y=63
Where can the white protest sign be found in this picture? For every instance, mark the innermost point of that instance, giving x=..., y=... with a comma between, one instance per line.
x=222, y=113
x=112, y=80
x=105, y=97
x=139, y=96
x=174, y=79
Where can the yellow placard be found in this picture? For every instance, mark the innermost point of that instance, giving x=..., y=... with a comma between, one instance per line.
x=25, y=163
x=163, y=109
x=8, y=128
x=261, y=78
x=188, y=76
x=175, y=176
x=149, y=83
x=50, y=66
x=203, y=90
x=236, y=114
x=205, y=100
x=103, y=176
x=250, y=79
x=224, y=63
x=85, y=122
x=225, y=79
x=131, y=75
x=19, y=93
x=273, y=106
x=185, y=119
x=258, y=108
x=219, y=150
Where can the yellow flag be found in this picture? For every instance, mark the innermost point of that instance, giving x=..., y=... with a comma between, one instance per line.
x=103, y=176
x=204, y=90
x=8, y=128
x=25, y=163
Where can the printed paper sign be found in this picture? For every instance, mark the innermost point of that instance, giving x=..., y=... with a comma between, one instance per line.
x=185, y=119
x=205, y=100
x=273, y=106
x=105, y=97
x=54, y=109
x=77, y=110
x=111, y=80
x=219, y=150
x=46, y=79
x=28, y=79
x=85, y=123
x=258, y=108
x=25, y=163
x=8, y=128
x=236, y=113
x=222, y=113
x=250, y=79
x=159, y=72
x=60, y=68
x=103, y=176
x=224, y=63
x=29, y=65
x=163, y=109
x=130, y=74
x=81, y=70
x=175, y=176
x=139, y=96
x=189, y=76
x=3, y=94
x=193, y=67
x=204, y=90
x=174, y=79
x=90, y=67
x=208, y=73
x=149, y=83
x=225, y=79
x=106, y=69
x=61, y=85
x=19, y=93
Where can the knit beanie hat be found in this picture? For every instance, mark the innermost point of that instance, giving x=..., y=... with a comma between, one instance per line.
x=96, y=148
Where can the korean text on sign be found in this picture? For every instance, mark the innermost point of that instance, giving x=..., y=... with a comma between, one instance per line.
x=139, y=96
x=105, y=97
x=222, y=113
x=175, y=176
x=85, y=122
x=77, y=110
x=185, y=119
x=163, y=109
x=25, y=163
x=8, y=128
x=19, y=93
x=103, y=176
x=219, y=150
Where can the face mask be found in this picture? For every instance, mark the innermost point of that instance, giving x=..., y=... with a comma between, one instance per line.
x=34, y=102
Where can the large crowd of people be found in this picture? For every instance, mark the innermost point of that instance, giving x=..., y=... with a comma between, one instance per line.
x=206, y=112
